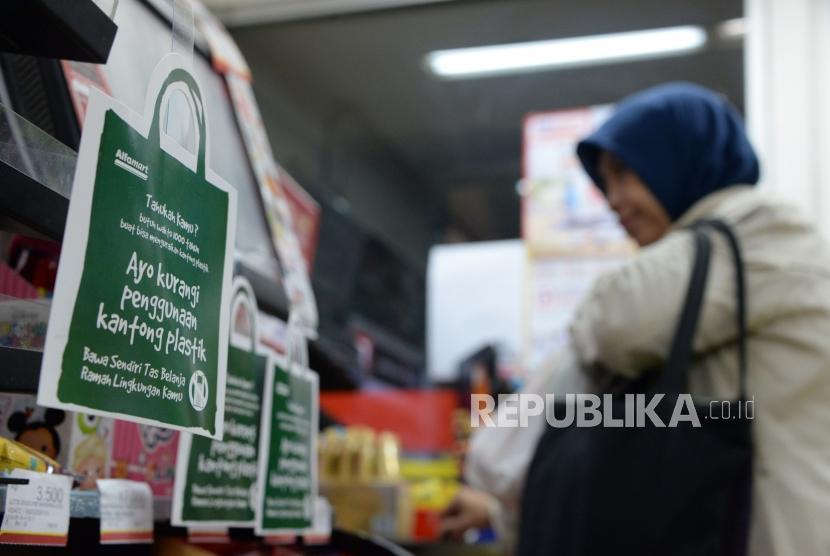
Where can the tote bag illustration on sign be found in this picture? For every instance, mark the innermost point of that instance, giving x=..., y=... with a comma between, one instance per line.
x=139, y=322
x=288, y=485
x=649, y=490
x=216, y=482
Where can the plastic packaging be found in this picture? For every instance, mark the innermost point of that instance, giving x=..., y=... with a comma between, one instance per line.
x=14, y=455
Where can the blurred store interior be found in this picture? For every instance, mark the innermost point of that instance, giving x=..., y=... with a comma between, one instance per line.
x=445, y=229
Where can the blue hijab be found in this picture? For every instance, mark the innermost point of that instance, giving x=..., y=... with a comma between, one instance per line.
x=683, y=140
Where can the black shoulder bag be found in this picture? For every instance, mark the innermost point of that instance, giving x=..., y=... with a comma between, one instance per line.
x=649, y=490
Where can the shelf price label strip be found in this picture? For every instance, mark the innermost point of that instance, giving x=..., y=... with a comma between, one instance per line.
x=126, y=512
x=37, y=513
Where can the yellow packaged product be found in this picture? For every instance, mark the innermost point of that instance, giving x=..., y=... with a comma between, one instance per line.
x=14, y=455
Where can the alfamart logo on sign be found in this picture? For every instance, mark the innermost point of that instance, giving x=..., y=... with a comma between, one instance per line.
x=139, y=322
x=606, y=410
x=128, y=163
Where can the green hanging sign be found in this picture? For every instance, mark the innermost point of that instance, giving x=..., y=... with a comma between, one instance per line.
x=216, y=480
x=288, y=450
x=139, y=321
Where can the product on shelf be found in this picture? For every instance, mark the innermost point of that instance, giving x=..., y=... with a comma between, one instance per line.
x=16, y=455
x=145, y=453
x=14, y=285
x=358, y=454
x=36, y=261
x=45, y=430
x=23, y=322
x=433, y=483
x=388, y=456
x=378, y=508
x=360, y=474
x=89, y=450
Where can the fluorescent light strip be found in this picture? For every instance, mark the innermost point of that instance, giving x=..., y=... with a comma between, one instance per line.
x=732, y=28
x=559, y=53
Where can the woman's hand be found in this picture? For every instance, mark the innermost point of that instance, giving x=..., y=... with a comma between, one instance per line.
x=470, y=509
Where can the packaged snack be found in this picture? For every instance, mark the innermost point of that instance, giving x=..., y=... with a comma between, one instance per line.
x=14, y=455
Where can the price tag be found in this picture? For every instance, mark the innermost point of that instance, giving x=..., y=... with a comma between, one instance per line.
x=208, y=535
x=281, y=540
x=37, y=513
x=126, y=512
x=320, y=532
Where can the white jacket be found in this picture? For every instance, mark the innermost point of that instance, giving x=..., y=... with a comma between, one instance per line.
x=627, y=323
x=498, y=458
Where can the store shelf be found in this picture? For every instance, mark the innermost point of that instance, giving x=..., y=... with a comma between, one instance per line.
x=19, y=370
x=269, y=292
x=86, y=504
x=40, y=208
x=336, y=365
x=364, y=544
x=32, y=204
x=76, y=30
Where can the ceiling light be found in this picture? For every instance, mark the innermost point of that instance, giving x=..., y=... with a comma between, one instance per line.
x=577, y=51
x=732, y=29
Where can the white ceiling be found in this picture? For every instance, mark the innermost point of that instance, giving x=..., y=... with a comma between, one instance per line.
x=235, y=13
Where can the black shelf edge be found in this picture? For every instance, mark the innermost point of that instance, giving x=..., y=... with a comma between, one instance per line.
x=31, y=203
x=76, y=30
x=43, y=210
x=270, y=295
x=19, y=370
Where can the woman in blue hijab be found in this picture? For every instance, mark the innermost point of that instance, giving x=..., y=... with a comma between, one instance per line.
x=680, y=141
x=670, y=156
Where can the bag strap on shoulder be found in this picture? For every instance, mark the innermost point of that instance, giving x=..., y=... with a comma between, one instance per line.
x=740, y=292
x=673, y=379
